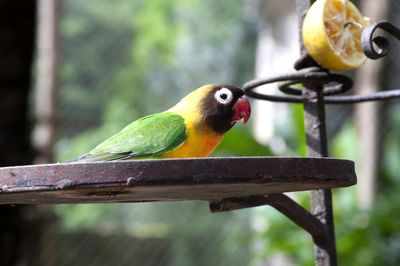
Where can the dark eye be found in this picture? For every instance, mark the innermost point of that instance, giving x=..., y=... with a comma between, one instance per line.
x=223, y=95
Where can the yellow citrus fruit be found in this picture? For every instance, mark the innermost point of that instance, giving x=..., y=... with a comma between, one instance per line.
x=332, y=34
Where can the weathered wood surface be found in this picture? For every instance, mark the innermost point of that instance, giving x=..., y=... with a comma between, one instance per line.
x=207, y=179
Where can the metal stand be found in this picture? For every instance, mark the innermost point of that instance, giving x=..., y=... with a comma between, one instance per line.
x=317, y=146
x=321, y=200
x=316, y=92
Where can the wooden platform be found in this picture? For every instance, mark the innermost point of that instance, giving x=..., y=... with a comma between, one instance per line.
x=209, y=179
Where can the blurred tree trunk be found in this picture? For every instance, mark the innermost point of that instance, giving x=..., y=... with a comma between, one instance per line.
x=21, y=227
x=275, y=54
x=367, y=114
x=46, y=80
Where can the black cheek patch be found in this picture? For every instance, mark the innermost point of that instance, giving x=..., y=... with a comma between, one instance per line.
x=218, y=117
x=221, y=121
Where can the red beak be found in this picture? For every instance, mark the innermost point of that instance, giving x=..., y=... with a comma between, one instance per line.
x=241, y=110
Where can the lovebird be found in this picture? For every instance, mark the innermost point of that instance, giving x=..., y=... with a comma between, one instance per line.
x=192, y=128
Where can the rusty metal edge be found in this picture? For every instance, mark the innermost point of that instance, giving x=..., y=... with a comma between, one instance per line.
x=175, y=172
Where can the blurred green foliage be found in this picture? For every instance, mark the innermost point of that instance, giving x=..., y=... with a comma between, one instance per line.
x=364, y=237
x=122, y=61
x=115, y=72
x=192, y=235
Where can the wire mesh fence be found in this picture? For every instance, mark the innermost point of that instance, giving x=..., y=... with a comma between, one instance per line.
x=121, y=61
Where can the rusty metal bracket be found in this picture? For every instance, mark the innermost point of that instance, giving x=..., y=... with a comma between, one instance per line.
x=283, y=204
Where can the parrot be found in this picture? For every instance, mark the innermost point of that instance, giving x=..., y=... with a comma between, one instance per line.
x=192, y=128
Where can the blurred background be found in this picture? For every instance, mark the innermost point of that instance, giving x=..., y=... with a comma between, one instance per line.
x=74, y=72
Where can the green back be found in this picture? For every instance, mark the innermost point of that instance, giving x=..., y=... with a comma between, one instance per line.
x=149, y=136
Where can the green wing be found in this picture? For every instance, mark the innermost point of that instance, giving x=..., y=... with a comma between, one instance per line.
x=147, y=137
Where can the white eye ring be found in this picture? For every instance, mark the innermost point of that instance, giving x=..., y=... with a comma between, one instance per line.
x=223, y=95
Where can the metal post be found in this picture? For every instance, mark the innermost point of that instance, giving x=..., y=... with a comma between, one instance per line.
x=314, y=119
x=321, y=200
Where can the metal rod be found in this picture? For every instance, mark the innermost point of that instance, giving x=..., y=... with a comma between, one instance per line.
x=345, y=99
x=351, y=99
x=314, y=119
x=321, y=200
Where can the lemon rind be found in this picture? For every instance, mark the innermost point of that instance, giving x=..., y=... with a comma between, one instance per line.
x=319, y=45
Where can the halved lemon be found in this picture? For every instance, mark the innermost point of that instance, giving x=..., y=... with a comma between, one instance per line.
x=332, y=34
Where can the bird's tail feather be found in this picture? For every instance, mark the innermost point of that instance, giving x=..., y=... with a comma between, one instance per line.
x=102, y=157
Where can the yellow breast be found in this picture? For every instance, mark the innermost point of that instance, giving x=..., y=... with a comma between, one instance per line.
x=201, y=140
x=197, y=144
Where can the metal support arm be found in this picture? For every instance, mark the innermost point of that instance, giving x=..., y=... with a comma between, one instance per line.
x=283, y=204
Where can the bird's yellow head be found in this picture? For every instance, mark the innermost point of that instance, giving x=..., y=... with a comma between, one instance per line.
x=215, y=106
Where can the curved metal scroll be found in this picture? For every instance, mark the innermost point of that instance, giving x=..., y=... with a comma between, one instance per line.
x=368, y=40
x=318, y=78
x=314, y=77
